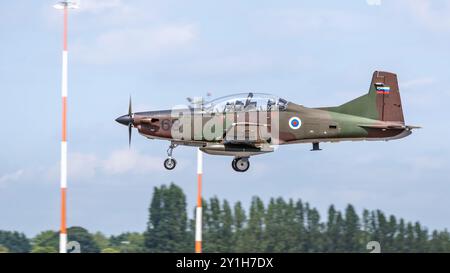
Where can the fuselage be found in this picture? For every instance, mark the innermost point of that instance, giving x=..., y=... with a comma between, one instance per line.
x=317, y=125
x=247, y=124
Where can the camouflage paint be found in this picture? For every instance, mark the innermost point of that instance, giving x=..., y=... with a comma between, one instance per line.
x=373, y=116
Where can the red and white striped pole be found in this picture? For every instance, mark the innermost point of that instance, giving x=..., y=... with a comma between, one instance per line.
x=198, y=214
x=64, y=5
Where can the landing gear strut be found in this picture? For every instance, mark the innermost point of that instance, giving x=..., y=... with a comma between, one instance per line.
x=240, y=164
x=170, y=162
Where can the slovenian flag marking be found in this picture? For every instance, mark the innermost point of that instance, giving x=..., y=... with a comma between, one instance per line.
x=383, y=89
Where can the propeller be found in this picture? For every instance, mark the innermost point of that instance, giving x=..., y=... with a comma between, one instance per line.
x=127, y=120
x=130, y=123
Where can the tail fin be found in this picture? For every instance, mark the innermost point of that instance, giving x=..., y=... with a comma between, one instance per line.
x=381, y=103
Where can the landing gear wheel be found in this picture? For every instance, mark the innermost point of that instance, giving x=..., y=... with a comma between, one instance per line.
x=170, y=163
x=233, y=165
x=240, y=164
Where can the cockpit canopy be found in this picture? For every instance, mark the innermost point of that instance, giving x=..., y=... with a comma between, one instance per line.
x=246, y=102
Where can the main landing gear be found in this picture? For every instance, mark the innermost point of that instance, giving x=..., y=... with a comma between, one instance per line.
x=170, y=162
x=240, y=164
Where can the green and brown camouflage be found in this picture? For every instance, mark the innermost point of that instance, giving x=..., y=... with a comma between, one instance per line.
x=244, y=125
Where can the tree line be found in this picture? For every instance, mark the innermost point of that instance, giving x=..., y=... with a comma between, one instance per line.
x=278, y=226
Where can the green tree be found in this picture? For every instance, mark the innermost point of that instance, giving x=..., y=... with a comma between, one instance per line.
x=280, y=226
x=128, y=242
x=44, y=249
x=227, y=227
x=366, y=230
x=272, y=227
x=3, y=249
x=352, y=230
x=211, y=226
x=314, y=239
x=101, y=240
x=46, y=242
x=290, y=226
x=439, y=242
x=340, y=223
x=14, y=241
x=110, y=250
x=391, y=231
x=410, y=238
x=400, y=237
x=239, y=224
x=299, y=227
x=167, y=229
x=218, y=226
x=253, y=239
x=333, y=231
x=421, y=238
x=84, y=238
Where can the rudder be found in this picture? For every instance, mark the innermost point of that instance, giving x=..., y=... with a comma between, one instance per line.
x=388, y=101
x=382, y=102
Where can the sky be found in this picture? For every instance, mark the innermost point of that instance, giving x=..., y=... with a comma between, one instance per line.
x=314, y=53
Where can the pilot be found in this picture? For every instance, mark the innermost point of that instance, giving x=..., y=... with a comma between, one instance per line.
x=239, y=105
x=270, y=104
x=251, y=106
x=282, y=104
x=228, y=107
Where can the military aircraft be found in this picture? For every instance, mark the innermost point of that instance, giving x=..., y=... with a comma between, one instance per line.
x=245, y=125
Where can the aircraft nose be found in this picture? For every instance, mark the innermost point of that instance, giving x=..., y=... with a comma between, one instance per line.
x=124, y=120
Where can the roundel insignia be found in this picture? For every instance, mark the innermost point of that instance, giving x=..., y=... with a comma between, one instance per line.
x=295, y=123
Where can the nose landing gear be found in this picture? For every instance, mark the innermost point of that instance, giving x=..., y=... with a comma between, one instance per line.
x=170, y=162
x=240, y=164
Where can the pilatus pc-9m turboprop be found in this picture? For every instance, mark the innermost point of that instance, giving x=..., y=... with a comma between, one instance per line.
x=245, y=125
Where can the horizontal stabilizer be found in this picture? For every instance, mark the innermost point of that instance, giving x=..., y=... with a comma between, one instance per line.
x=387, y=127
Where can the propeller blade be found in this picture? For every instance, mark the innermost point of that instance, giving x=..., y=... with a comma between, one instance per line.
x=129, y=135
x=130, y=111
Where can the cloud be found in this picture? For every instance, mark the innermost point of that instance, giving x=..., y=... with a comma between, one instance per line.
x=302, y=21
x=99, y=5
x=134, y=44
x=241, y=64
x=83, y=167
x=431, y=163
x=93, y=14
x=417, y=82
x=97, y=14
x=10, y=177
x=414, y=95
x=351, y=196
x=433, y=15
x=130, y=161
x=86, y=166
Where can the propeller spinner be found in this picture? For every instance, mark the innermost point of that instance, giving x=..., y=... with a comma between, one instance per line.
x=127, y=120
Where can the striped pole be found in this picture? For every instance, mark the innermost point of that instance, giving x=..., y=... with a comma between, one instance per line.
x=64, y=5
x=63, y=230
x=198, y=214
